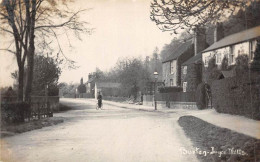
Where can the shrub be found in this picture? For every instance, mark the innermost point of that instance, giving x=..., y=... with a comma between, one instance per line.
x=224, y=64
x=212, y=72
x=170, y=89
x=242, y=62
x=201, y=98
x=255, y=66
x=14, y=112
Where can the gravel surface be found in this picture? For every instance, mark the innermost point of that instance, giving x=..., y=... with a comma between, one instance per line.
x=212, y=143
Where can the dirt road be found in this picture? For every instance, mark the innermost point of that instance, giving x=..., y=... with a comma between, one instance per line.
x=111, y=134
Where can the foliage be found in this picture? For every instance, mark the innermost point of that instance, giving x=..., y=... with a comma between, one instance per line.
x=36, y=21
x=224, y=64
x=46, y=72
x=13, y=112
x=67, y=89
x=172, y=15
x=243, y=19
x=255, y=66
x=201, y=96
x=237, y=97
x=212, y=72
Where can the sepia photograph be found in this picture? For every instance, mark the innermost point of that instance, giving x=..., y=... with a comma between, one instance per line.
x=129, y=80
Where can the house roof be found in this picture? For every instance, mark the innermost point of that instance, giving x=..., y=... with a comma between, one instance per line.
x=235, y=38
x=179, y=51
x=195, y=59
x=107, y=85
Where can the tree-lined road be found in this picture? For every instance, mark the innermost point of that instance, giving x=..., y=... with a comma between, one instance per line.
x=112, y=134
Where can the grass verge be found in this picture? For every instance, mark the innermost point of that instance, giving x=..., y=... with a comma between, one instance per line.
x=212, y=143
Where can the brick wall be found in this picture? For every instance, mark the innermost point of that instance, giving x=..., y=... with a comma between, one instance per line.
x=167, y=76
x=193, y=77
x=184, y=57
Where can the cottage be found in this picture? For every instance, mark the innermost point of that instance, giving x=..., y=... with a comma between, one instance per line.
x=242, y=43
x=191, y=73
x=173, y=64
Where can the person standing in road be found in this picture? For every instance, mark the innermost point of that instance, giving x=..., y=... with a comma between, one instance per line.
x=99, y=97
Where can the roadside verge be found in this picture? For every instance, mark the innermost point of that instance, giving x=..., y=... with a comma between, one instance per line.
x=212, y=143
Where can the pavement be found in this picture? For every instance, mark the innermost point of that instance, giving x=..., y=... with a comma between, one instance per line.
x=235, y=123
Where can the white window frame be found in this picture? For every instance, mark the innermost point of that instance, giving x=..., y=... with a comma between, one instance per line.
x=185, y=70
x=171, y=83
x=231, y=56
x=184, y=86
x=218, y=58
x=171, y=67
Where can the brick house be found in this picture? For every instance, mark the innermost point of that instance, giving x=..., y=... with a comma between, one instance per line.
x=232, y=46
x=172, y=66
x=192, y=69
x=191, y=73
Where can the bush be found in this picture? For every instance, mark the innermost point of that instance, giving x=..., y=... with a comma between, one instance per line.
x=212, y=72
x=201, y=98
x=255, y=66
x=170, y=89
x=224, y=64
x=14, y=112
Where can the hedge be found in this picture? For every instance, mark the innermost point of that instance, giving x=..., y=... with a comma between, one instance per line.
x=237, y=96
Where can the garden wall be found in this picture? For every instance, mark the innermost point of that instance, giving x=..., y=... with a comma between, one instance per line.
x=236, y=97
x=174, y=100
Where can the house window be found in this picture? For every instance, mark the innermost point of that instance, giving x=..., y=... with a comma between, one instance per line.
x=184, y=86
x=231, y=60
x=171, y=82
x=184, y=69
x=172, y=67
x=218, y=58
x=252, y=47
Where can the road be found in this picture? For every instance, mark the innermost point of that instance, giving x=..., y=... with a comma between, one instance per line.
x=112, y=134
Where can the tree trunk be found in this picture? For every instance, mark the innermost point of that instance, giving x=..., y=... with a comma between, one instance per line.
x=29, y=77
x=30, y=56
x=20, y=83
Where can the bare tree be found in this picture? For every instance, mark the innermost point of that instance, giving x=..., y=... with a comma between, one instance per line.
x=29, y=20
x=171, y=15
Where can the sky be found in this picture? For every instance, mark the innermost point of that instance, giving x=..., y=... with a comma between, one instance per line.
x=122, y=29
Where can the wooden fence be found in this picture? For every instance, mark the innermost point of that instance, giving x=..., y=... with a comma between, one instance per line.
x=40, y=107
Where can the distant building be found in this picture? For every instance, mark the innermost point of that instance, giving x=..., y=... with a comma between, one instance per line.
x=81, y=88
x=91, y=85
x=107, y=89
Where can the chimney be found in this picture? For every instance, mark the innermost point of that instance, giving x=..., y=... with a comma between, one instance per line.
x=218, y=32
x=81, y=81
x=199, y=40
x=89, y=76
